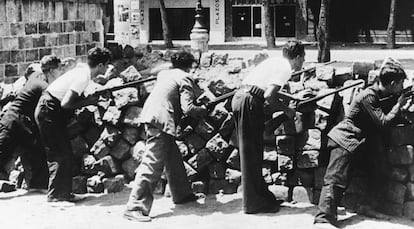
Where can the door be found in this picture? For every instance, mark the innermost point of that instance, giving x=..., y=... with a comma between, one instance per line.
x=285, y=20
x=257, y=21
x=242, y=21
x=181, y=21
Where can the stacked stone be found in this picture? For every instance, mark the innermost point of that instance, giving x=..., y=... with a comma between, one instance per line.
x=31, y=29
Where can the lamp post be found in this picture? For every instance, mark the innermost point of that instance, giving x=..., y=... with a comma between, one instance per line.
x=199, y=34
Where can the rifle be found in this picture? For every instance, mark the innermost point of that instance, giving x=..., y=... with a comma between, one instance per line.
x=116, y=88
x=312, y=68
x=407, y=92
x=210, y=105
x=302, y=102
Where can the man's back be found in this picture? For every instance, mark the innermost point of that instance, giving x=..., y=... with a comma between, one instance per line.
x=163, y=107
x=26, y=100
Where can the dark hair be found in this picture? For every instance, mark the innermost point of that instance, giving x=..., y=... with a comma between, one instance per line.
x=98, y=56
x=292, y=49
x=116, y=51
x=182, y=60
x=391, y=70
x=129, y=52
x=49, y=62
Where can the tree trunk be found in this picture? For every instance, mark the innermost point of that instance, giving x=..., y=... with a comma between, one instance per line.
x=268, y=25
x=324, y=52
x=165, y=27
x=391, y=26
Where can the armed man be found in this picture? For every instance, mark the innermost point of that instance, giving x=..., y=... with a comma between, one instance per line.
x=363, y=120
x=61, y=97
x=172, y=97
x=18, y=127
x=258, y=94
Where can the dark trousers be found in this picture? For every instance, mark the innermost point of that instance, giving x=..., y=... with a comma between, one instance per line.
x=19, y=130
x=52, y=126
x=335, y=182
x=249, y=119
x=161, y=151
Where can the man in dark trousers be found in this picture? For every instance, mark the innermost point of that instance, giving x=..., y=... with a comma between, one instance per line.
x=18, y=127
x=364, y=117
x=61, y=97
x=257, y=94
x=172, y=97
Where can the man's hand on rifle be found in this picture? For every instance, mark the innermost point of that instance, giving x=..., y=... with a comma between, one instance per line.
x=304, y=94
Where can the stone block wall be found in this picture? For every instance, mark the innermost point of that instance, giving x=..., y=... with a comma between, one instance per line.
x=30, y=29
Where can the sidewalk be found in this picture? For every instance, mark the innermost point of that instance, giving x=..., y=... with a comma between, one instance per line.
x=339, y=52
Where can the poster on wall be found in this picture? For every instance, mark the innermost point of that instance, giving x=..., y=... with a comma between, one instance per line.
x=127, y=21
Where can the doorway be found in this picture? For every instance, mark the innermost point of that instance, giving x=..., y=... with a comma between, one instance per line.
x=284, y=20
x=247, y=21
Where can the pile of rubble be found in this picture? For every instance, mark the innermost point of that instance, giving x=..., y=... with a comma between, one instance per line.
x=108, y=142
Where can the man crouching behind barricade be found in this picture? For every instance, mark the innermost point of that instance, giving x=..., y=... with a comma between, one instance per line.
x=17, y=125
x=364, y=118
x=63, y=96
x=171, y=98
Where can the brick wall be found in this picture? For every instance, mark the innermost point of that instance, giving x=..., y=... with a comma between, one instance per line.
x=30, y=29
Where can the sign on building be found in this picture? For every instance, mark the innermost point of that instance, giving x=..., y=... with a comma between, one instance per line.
x=127, y=21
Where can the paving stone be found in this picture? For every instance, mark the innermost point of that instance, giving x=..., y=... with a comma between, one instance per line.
x=402, y=135
x=200, y=160
x=88, y=165
x=114, y=184
x=395, y=192
x=285, y=163
x=182, y=147
x=285, y=145
x=409, y=209
x=303, y=194
x=401, y=155
x=222, y=186
x=217, y=170
x=131, y=116
x=95, y=184
x=308, y=159
x=217, y=146
x=204, y=129
x=199, y=187
x=108, y=165
x=131, y=134
x=398, y=174
x=233, y=161
x=410, y=191
x=280, y=192
x=79, y=184
x=270, y=154
x=308, y=140
x=360, y=69
x=79, y=146
x=121, y=150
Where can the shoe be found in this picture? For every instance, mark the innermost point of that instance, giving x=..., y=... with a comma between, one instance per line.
x=269, y=208
x=72, y=198
x=191, y=198
x=37, y=190
x=136, y=216
x=324, y=226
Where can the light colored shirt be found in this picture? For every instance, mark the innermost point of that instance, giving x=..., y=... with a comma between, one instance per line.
x=271, y=71
x=76, y=80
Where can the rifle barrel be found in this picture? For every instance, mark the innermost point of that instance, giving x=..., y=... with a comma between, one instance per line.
x=316, y=98
x=125, y=85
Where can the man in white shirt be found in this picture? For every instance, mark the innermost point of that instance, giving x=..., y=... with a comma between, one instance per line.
x=257, y=94
x=61, y=96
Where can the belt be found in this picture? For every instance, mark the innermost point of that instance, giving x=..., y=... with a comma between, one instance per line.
x=253, y=90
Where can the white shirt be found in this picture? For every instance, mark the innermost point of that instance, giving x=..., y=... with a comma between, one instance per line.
x=76, y=80
x=273, y=70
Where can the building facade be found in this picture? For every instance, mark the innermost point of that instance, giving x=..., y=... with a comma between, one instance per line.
x=226, y=20
x=233, y=20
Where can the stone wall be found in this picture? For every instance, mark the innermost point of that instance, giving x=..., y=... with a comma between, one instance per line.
x=30, y=29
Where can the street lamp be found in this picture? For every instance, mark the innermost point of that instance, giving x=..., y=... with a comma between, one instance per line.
x=199, y=34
